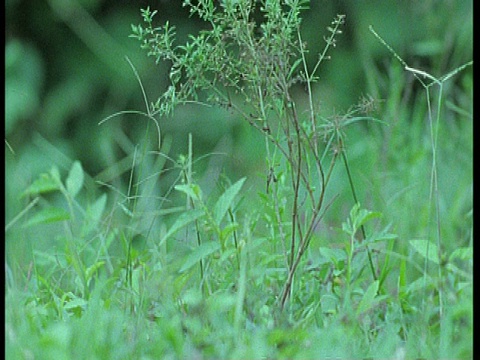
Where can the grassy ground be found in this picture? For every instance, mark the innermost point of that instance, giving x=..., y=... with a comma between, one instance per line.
x=165, y=255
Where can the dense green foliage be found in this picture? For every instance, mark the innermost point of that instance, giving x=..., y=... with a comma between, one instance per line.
x=267, y=205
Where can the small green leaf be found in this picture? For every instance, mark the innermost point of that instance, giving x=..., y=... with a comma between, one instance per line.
x=294, y=67
x=423, y=282
x=94, y=214
x=381, y=236
x=183, y=220
x=125, y=210
x=347, y=228
x=329, y=304
x=427, y=249
x=48, y=215
x=75, y=179
x=191, y=190
x=362, y=216
x=333, y=255
x=368, y=299
x=225, y=201
x=44, y=184
x=55, y=173
x=95, y=211
x=91, y=270
x=76, y=302
x=200, y=253
x=463, y=253
x=228, y=230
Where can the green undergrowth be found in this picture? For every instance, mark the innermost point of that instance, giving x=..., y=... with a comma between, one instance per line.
x=353, y=241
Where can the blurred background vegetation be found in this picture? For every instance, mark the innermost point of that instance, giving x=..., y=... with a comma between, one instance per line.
x=66, y=70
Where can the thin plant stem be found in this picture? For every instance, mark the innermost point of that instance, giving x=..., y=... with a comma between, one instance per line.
x=434, y=196
x=355, y=199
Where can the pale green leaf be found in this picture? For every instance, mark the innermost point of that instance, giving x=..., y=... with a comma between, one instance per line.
x=226, y=199
x=427, y=249
x=463, y=253
x=420, y=284
x=95, y=211
x=183, y=220
x=368, y=299
x=363, y=216
x=294, y=67
x=228, y=230
x=200, y=253
x=191, y=190
x=92, y=270
x=94, y=214
x=48, y=215
x=329, y=304
x=76, y=302
x=75, y=179
x=333, y=255
x=44, y=184
x=55, y=173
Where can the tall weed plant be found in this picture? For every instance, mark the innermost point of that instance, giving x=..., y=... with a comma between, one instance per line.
x=249, y=60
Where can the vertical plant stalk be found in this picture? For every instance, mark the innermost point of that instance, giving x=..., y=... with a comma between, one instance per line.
x=296, y=164
x=235, y=240
x=434, y=196
x=190, y=203
x=305, y=241
x=355, y=199
x=305, y=147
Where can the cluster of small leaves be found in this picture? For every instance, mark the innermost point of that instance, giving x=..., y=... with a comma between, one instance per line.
x=236, y=54
x=69, y=276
